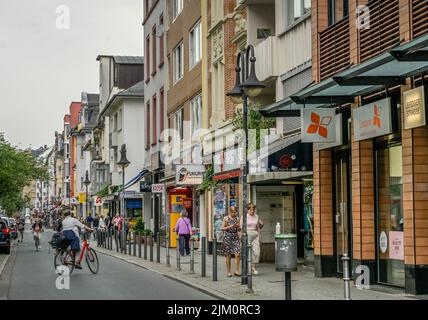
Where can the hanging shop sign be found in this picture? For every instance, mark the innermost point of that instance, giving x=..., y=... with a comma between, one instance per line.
x=98, y=202
x=189, y=174
x=414, y=108
x=372, y=120
x=318, y=125
x=145, y=187
x=158, y=188
x=82, y=198
x=339, y=136
x=396, y=245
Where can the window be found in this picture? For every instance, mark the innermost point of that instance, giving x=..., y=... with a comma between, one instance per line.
x=337, y=10
x=154, y=64
x=119, y=120
x=154, y=121
x=178, y=122
x=196, y=113
x=147, y=66
x=161, y=110
x=115, y=122
x=178, y=62
x=294, y=9
x=148, y=124
x=195, y=46
x=178, y=7
x=161, y=40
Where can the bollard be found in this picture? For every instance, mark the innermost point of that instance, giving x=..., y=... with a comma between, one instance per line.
x=145, y=247
x=130, y=244
x=139, y=246
x=288, y=286
x=158, y=247
x=168, y=262
x=214, y=259
x=192, y=256
x=111, y=239
x=250, y=269
x=116, y=240
x=134, y=238
x=151, y=248
x=203, y=257
x=98, y=238
x=103, y=239
x=178, y=255
x=346, y=278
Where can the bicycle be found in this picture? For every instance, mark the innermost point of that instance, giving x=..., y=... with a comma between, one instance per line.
x=66, y=257
x=36, y=237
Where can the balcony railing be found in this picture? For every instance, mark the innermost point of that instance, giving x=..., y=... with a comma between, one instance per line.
x=383, y=32
x=334, y=48
x=113, y=139
x=419, y=17
x=265, y=66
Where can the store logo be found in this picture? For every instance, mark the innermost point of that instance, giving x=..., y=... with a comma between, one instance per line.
x=376, y=119
x=183, y=175
x=319, y=125
x=286, y=161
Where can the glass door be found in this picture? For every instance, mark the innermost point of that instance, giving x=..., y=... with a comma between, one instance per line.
x=342, y=221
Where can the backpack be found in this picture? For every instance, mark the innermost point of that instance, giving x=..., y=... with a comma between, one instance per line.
x=59, y=241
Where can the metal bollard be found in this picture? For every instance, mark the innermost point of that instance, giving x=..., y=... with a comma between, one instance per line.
x=192, y=256
x=145, y=247
x=130, y=244
x=214, y=259
x=168, y=262
x=151, y=248
x=111, y=239
x=103, y=239
x=139, y=246
x=250, y=269
x=116, y=240
x=178, y=254
x=158, y=247
x=288, y=286
x=134, y=238
x=203, y=257
x=98, y=238
x=346, y=278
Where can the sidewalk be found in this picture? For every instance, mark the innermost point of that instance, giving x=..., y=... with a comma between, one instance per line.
x=267, y=285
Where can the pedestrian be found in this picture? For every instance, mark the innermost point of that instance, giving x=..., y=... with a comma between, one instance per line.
x=108, y=222
x=95, y=224
x=183, y=229
x=101, y=223
x=254, y=225
x=89, y=221
x=115, y=222
x=231, y=241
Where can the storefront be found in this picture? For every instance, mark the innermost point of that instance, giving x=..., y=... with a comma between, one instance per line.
x=370, y=193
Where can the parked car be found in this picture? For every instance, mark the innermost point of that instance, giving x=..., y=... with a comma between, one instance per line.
x=5, y=235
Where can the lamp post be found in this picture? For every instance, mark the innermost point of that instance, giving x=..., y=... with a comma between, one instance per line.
x=123, y=163
x=247, y=86
x=87, y=182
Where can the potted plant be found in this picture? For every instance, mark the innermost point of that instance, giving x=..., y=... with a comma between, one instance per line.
x=139, y=228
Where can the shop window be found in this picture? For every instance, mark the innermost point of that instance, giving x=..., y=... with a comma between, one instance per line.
x=390, y=218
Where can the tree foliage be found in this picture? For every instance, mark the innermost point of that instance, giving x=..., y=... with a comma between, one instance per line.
x=17, y=169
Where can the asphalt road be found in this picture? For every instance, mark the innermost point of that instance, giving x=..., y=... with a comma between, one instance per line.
x=30, y=275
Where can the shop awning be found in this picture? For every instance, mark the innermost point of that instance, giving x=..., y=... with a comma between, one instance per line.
x=137, y=178
x=280, y=177
x=389, y=68
x=227, y=175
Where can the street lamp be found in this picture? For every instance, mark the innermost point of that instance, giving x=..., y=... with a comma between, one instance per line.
x=123, y=163
x=246, y=86
x=87, y=182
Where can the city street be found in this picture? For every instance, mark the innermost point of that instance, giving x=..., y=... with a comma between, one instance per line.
x=30, y=275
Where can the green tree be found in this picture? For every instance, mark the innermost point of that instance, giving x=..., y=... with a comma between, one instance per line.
x=17, y=169
x=256, y=121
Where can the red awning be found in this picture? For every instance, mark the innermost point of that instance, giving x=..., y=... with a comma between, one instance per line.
x=227, y=175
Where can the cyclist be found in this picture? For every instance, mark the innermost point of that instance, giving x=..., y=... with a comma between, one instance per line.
x=37, y=228
x=70, y=227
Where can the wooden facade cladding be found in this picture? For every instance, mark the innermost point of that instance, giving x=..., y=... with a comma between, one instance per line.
x=334, y=48
x=383, y=31
x=419, y=17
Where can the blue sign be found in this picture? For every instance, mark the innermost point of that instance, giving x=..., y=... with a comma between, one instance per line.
x=134, y=204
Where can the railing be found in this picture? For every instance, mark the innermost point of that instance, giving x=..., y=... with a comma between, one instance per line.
x=334, y=48
x=265, y=66
x=113, y=139
x=419, y=17
x=383, y=32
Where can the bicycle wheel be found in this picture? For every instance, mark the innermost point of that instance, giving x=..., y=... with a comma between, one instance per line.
x=92, y=260
x=63, y=258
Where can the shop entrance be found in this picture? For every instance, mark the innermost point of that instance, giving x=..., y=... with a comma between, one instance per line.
x=342, y=210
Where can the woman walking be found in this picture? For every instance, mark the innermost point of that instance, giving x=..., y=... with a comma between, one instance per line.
x=231, y=241
x=254, y=225
x=183, y=229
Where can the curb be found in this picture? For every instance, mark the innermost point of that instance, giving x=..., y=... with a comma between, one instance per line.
x=189, y=284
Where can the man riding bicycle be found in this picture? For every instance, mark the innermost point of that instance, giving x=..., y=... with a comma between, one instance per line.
x=70, y=227
x=37, y=228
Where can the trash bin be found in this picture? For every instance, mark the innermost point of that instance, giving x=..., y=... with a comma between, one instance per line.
x=286, y=252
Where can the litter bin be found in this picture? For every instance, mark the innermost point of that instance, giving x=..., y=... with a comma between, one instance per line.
x=286, y=252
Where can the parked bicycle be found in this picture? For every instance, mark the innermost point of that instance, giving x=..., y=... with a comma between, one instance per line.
x=64, y=256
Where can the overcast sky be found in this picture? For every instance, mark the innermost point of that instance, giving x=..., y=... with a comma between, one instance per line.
x=43, y=68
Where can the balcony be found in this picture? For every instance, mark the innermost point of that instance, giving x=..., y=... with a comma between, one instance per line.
x=266, y=61
x=96, y=154
x=113, y=139
x=419, y=17
x=334, y=48
x=384, y=30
